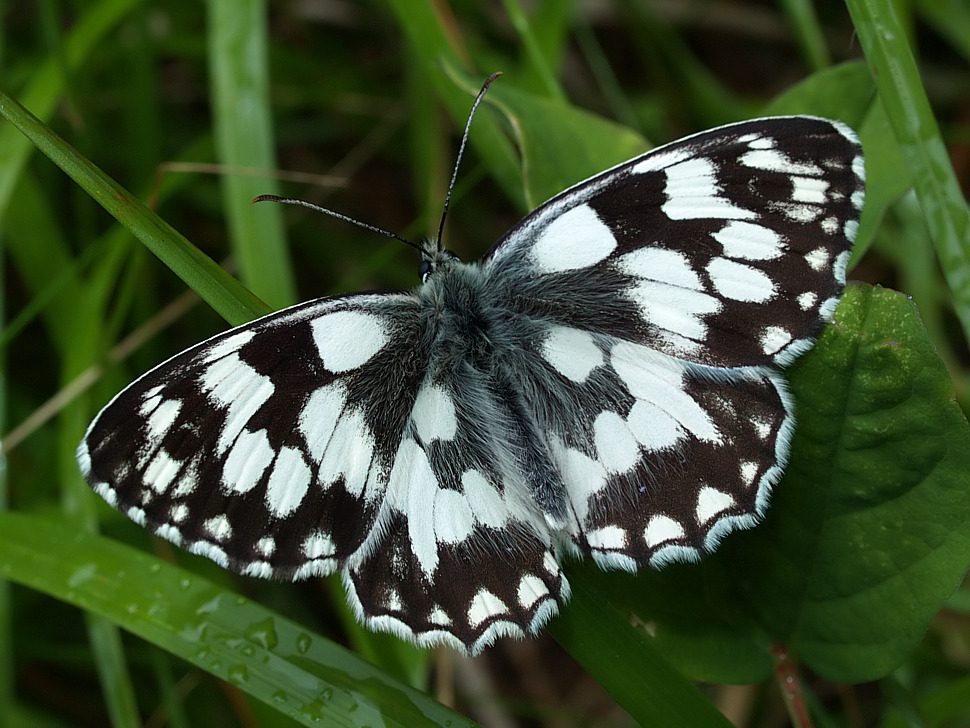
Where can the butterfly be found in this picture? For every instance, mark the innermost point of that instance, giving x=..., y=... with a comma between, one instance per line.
x=605, y=382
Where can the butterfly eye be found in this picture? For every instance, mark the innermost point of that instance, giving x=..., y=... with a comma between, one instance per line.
x=424, y=270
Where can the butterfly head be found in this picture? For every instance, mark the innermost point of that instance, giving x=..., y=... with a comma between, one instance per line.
x=434, y=257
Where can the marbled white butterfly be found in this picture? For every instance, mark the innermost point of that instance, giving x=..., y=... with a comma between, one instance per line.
x=605, y=382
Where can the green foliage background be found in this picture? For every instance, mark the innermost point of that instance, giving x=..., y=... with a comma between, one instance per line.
x=848, y=586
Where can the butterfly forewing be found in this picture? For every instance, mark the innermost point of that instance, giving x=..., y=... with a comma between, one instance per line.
x=267, y=448
x=727, y=248
x=605, y=382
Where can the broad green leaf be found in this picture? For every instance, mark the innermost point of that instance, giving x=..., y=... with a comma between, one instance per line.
x=560, y=143
x=867, y=533
x=301, y=674
x=843, y=92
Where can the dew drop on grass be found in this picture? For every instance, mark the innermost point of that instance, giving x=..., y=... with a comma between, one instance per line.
x=263, y=633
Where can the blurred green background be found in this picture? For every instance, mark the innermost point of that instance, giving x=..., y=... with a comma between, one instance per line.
x=192, y=108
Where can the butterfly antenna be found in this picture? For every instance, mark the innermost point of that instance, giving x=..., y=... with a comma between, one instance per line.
x=324, y=210
x=461, y=150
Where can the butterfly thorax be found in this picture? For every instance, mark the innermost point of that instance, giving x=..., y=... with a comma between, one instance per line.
x=479, y=358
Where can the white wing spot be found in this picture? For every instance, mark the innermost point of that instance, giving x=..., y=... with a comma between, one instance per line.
x=318, y=544
x=740, y=282
x=490, y=509
x=818, y=259
x=247, y=461
x=673, y=308
x=749, y=241
x=210, y=551
x=453, y=516
x=807, y=300
x=616, y=447
x=575, y=239
x=772, y=160
x=485, y=605
x=258, y=569
x=347, y=340
x=288, y=482
x=661, y=529
x=219, y=527
x=830, y=225
x=693, y=193
x=349, y=454
x=235, y=385
x=162, y=417
x=711, y=502
x=319, y=418
x=531, y=590
x=411, y=490
x=439, y=616
x=762, y=428
x=393, y=601
x=659, y=380
x=433, y=414
x=609, y=538
x=749, y=472
x=178, y=512
x=550, y=564
x=851, y=229
x=799, y=212
x=670, y=267
x=188, y=479
x=774, y=339
x=161, y=471
x=583, y=478
x=657, y=160
x=571, y=352
x=226, y=346
x=754, y=141
x=170, y=533
x=653, y=428
x=266, y=546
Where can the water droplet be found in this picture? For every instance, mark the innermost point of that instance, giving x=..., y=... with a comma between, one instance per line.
x=263, y=633
x=238, y=674
x=303, y=643
x=82, y=575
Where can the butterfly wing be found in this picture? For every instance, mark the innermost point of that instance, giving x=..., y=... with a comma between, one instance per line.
x=251, y=447
x=311, y=441
x=664, y=295
x=727, y=248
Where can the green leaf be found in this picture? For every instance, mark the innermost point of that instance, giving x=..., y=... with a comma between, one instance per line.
x=901, y=91
x=242, y=120
x=273, y=659
x=548, y=130
x=223, y=292
x=867, y=533
x=844, y=92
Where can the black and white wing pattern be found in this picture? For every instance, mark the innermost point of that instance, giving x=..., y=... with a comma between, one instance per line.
x=605, y=382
